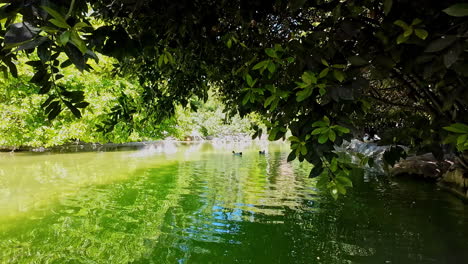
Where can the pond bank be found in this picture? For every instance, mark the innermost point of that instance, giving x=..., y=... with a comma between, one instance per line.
x=447, y=173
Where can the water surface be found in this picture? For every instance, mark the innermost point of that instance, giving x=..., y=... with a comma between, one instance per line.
x=197, y=203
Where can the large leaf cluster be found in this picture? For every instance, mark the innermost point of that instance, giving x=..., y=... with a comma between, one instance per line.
x=395, y=67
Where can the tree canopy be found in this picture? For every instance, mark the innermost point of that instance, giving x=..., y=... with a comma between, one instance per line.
x=322, y=69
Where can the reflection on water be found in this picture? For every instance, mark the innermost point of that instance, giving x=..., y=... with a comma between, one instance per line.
x=197, y=203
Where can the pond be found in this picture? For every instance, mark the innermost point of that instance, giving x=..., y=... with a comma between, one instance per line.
x=198, y=203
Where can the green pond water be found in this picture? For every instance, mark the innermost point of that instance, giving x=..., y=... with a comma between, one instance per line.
x=197, y=203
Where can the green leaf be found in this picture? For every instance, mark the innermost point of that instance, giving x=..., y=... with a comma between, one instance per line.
x=322, y=91
x=401, y=39
x=319, y=130
x=54, y=13
x=271, y=52
x=338, y=66
x=457, y=10
x=32, y=43
x=73, y=109
x=320, y=123
x=323, y=138
x=261, y=65
x=44, y=52
x=334, y=193
x=304, y=94
x=462, y=139
x=59, y=23
x=408, y=32
x=416, y=22
x=440, y=44
x=303, y=150
x=271, y=67
x=341, y=129
x=316, y=171
x=246, y=99
x=339, y=75
x=291, y=156
x=169, y=57
x=332, y=135
x=387, y=6
x=249, y=80
x=81, y=105
x=324, y=72
x=324, y=62
x=457, y=128
x=273, y=134
x=401, y=24
x=341, y=189
x=80, y=25
x=344, y=181
x=334, y=164
x=309, y=77
x=50, y=30
x=421, y=33
x=64, y=37
x=48, y=101
x=53, y=110
x=269, y=100
x=229, y=43
x=78, y=42
x=294, y=139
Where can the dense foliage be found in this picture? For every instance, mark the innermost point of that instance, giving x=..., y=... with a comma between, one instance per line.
x=23, y=122
x=321, y=69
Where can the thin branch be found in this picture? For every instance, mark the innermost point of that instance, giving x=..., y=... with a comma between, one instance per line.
x=70, y=9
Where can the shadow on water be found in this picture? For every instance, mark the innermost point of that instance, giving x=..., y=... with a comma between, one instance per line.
x=200, y=204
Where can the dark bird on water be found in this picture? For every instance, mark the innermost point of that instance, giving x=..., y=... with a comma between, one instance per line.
x=236, y=153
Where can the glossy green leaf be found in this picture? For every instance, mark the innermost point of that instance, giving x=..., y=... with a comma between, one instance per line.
x=387, y=6
x=271, y=67
x=261, y=65
x=324, y=72
x=332, y=135
x=269, y=100
x=323, y=138
x=59, y=23
x=457, y=10
x=401, y=39
x=457, y=128
x=319, y=130
x=421, y=33
x=64, y=37
x=401, y=24
x=440, y=44
x=416, y=22
x=304, y=94
x=271, y=53
x=339, y=75
x=324, y=62
x=344, y=181
x=78, y=42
